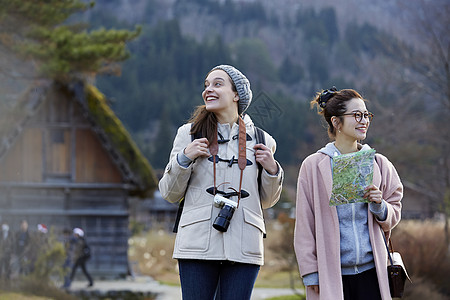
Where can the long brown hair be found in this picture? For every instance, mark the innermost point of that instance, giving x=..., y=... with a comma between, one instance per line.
x=204, y=122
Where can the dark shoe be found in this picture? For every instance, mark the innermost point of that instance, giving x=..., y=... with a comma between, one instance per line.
x=90, y=284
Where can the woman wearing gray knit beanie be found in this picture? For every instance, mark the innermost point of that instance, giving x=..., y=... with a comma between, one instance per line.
x=213, y=173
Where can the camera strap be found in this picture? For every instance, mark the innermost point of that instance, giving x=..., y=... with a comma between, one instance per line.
x=242, y=158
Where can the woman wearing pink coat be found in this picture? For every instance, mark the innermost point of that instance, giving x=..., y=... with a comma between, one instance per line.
x=340, y=248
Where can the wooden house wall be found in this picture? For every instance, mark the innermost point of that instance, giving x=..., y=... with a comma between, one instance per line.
x=59, y=146
x=24, y=160
x=92, y=163
x=59, y=173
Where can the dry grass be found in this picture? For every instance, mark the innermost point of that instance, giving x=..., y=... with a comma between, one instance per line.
x=151, y=254
x=422, y=245
x=426, y=257
x=280, y=269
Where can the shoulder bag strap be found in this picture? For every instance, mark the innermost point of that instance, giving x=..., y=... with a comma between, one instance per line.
x=387, y=247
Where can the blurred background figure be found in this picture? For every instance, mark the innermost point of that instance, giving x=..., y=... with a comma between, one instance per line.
x=42, y=228
x=80, y=253
x=22, y=247
x=6, y=250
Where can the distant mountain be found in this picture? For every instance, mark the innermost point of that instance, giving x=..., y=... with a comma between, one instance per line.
x=288, y=49
x=384, y=15
x=286, y=29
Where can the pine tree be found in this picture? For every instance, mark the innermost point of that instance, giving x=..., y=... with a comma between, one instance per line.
x=39, y=30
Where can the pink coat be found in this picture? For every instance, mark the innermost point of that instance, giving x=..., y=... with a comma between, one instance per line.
x=316, y=238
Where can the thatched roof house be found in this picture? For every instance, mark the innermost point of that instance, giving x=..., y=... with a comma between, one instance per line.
x=67, y=161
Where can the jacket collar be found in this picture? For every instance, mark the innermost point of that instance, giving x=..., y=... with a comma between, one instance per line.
x=226, y=131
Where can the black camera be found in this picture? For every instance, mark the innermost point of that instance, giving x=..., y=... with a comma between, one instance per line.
x=228, y=206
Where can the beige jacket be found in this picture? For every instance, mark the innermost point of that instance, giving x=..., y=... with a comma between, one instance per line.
x=196, y=238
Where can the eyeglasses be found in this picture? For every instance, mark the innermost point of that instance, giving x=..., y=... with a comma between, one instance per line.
x=359, y=115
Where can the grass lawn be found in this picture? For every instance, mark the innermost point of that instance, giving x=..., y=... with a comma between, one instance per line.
x=279, y=279
x=15, y=296
x=290, y=297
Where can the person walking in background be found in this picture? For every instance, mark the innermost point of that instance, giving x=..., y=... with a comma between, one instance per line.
x=6, y=250
x=80, y=254
x=22, y=248
x=213, y=166
x=340, y=249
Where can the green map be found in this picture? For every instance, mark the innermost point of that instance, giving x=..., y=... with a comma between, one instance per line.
x=352, y=173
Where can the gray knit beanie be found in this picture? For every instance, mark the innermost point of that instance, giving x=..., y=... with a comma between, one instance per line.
x=242, y=86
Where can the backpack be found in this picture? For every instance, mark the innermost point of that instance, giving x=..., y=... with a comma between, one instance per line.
x=86, y=251
x=260, y=139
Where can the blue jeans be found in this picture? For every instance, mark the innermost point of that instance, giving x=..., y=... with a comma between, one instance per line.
x=201, y=278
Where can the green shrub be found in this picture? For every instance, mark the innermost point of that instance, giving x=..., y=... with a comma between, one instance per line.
x=136, y=227
x=36, y=286
x=48, y=257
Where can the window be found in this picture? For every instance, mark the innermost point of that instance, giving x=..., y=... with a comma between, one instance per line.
x=57, y=152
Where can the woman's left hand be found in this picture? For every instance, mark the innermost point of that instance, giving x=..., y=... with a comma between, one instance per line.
x=374, y=194
x=264, y=156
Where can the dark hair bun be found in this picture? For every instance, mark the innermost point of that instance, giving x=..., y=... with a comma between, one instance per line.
x=325, y=96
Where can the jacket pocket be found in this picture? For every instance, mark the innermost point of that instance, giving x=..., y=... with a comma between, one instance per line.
x=195, y=228
x=252, y=233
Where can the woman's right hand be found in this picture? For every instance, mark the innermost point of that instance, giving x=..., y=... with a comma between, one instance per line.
x=198, y=148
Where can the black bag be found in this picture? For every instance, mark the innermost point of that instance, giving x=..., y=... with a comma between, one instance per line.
x=86, y=251
x=396, y=272
x=397, y=279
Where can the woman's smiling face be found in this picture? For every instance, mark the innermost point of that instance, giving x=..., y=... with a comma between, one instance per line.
x=218, y=93
x=349, y=127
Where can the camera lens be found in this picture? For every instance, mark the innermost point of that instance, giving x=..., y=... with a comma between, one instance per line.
x=222, y=220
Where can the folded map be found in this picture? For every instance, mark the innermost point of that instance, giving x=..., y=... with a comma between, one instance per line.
x=352, y=173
